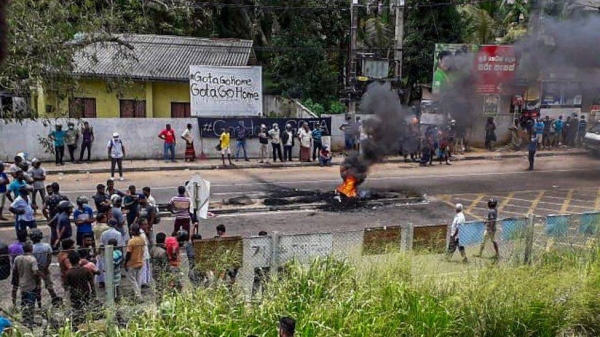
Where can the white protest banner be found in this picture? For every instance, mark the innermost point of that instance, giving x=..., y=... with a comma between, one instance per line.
x=225, y=91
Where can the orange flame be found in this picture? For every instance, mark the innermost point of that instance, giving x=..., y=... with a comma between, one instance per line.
x=348, y=187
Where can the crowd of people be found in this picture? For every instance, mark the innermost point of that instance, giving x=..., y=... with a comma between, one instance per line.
x=310, y=144
x=123, y=220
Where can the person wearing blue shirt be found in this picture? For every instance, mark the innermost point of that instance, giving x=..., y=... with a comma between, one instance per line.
x=241, y=134
x=558, y=128
x=532, y=147
x=5, y=325
x=317, y=136
x=24, y=213
x=3, y=184
x=15, y=186
x=84, y=218
x=539, y=131
x=58, y=137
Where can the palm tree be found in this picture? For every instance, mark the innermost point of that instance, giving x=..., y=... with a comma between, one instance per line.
x=480, y=26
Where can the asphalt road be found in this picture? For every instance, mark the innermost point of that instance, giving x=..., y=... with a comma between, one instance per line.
x=573, y=178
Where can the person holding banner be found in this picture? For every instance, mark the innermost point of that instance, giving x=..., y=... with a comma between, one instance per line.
x=190, y=153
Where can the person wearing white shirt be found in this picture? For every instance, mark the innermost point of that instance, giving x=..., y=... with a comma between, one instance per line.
x=305, y=136
x=459, y=220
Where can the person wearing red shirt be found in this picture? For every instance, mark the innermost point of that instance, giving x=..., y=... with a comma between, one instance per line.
x=168, y=135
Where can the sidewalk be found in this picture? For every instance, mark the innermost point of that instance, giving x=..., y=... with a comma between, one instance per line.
x=213, y=164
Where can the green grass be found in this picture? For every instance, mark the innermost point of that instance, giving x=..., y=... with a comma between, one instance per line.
x=557, y=296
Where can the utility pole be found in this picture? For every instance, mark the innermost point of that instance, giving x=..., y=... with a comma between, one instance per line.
x=351, y=81
x=398, y=38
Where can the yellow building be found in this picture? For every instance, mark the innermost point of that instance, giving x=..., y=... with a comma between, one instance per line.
x=145, y=76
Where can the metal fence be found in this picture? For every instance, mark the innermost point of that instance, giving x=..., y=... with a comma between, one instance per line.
x=246, y=263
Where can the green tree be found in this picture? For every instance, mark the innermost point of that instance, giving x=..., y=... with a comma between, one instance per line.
x=426, y=23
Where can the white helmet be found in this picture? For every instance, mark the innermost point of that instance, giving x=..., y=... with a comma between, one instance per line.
x=115, y=135
x=459, y=207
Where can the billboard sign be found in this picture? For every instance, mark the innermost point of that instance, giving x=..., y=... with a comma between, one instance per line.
x=494, y=66
x=225, y=91
x=450, y=62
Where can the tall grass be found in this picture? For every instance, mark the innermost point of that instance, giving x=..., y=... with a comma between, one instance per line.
x=557, y=296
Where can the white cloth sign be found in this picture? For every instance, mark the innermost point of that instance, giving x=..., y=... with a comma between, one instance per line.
x=226, y=91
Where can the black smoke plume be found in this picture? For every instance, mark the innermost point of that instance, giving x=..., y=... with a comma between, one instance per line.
x=386, y=128
x=3, y=30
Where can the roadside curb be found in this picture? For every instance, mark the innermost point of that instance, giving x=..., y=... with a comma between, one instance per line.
x=150, y=168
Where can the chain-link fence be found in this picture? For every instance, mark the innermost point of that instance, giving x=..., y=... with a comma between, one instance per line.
x=246, y=264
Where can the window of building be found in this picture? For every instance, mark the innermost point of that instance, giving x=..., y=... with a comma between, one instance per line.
x=131, y=108
x=180, y=110
x=82, y=107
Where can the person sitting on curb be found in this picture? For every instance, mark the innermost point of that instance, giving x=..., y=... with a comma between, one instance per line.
x=325, y=157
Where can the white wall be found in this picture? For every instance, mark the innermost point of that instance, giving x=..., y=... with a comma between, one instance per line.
x=140, y=137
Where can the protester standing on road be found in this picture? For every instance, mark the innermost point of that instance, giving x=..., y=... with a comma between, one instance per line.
x=117, y=213
x=101, y=200
x=532, y=149
x=275, y=135
x=180, y=207
x=349, y=129
x=287, y=138
x=87, y=138
x=52, y=210
x=131, y=205
x=546, y=139
x=159, y=261
x=225, y=145
x=26, y=277
x=581, y=130
x=317, y=136
x=558, y=131
x=190, y=153
x=539, y=131
x=490, y=228
x=490, y=133
x=3, y=184
x=105, y=238
x=116, y=152
x=459, y=220
x=168, y=135
x=43, y=255
x=38, y=174
x=80, y=283
x=63, y=228
x=22, y=208
x=574, y=129
x=71, y=138
x=305, y=137
x=58, y=137
x=84, y=218
x=567, y=131
x=151, y=201
x=111, y=190
x=15, y=186
x=134, y=259
x=263, y=139
x=241, y=133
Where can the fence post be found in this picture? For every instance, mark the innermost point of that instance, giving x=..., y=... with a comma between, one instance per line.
x=109, y=276
x=274, y=255
x=406, y=237
x=529, y=232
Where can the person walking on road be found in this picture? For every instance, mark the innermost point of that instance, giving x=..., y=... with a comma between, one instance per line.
x=180, y=207
x=241, y=134
x=287, y=138
x=225, y=145
x=532, y=149
x=459, y=220
x=71, y=138
x=116, y=152
x=168, y=135
x=490, y=228
x=87, y=138
x=58, y=137
x=190, y=153
x=275, y=135
x=26, y=277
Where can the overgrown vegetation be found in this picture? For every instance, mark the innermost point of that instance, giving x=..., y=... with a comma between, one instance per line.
x=554, y=297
